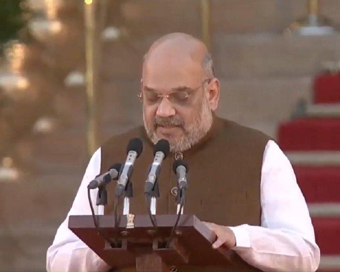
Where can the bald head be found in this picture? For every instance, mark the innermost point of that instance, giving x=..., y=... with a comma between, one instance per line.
x=179, y=50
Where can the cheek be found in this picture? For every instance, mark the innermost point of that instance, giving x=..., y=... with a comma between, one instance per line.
x=187, y=116
x=149, y=114
x=191, y=114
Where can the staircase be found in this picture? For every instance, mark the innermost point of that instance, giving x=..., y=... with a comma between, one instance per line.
x=313, y=145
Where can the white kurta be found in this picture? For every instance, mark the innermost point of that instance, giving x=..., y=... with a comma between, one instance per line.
x=284, y=242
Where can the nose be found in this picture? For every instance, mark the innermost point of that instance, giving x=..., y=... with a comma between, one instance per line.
x=165, y=108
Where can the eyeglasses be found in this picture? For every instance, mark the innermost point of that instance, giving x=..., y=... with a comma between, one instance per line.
x=179, y=97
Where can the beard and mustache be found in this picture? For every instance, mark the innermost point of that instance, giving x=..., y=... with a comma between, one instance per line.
x=192, y=133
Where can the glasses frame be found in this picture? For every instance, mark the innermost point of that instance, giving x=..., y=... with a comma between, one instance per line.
x=162, y=96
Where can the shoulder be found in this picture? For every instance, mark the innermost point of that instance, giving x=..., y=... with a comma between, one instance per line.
x=243, y=133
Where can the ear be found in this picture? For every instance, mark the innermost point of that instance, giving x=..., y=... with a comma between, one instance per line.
x=141, y=84
x=213, y=93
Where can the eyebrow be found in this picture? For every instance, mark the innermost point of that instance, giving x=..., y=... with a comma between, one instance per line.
x=177, y=89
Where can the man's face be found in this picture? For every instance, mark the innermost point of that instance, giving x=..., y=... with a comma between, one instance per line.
x=175, y=106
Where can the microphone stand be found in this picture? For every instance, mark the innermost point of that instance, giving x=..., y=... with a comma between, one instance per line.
x=128, y=193
x=152, y=196
x=151, y=199
x=180, y=200
x=101, y=199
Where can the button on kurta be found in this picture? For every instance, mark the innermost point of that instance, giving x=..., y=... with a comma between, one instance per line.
x=178, y=156
x=173, y=268
x=174, y=191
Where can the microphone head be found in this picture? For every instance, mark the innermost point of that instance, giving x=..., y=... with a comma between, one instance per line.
x=136, y=145
x=162, y=146
x=178, y=163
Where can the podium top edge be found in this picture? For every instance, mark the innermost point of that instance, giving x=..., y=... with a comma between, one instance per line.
x=139, y=221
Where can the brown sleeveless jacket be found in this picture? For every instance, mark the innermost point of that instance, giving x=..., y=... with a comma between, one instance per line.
x=224, y=177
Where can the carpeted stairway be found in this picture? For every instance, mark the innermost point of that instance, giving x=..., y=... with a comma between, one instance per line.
x=312, y=142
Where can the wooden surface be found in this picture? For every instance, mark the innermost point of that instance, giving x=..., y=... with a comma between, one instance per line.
x=191, y=246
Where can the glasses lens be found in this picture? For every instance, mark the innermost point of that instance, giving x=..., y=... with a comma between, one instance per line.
x=151, y=97
x=179, y=98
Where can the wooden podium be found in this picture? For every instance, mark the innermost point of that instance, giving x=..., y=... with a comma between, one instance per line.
x=140, y=246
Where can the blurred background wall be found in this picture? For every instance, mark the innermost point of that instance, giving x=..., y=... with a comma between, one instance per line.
x=284, y=84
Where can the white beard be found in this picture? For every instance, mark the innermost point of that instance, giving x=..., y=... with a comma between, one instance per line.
x=192, y=134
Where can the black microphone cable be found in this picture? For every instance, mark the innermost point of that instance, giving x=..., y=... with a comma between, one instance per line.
x=151, y=216
x=179, y=213
x=180, y=168
x=102, y=196
x=96, y=221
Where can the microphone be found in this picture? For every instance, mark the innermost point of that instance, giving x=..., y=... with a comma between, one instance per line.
x=134, y=149
x=181, y=169
x=104, y=179
x=161, y=151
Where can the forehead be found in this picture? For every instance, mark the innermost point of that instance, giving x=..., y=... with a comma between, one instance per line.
x=171, y=71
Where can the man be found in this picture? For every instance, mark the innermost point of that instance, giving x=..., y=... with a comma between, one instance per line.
x=241, y=183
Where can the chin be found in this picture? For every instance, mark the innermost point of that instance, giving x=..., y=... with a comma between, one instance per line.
x=171, y=137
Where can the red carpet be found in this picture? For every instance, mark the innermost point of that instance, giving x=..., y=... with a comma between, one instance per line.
x=310, y=135
x=319, y=184
x=327, y=233
x=327, y=89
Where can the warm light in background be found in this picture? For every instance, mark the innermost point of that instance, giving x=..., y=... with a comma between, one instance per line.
x=15, y=54
x=44, y=125
x=43, y=28
x=7, y=162
x=49, y=6
x=12, y=83
x=7, y=171
x=51, y=9
x=88, y=2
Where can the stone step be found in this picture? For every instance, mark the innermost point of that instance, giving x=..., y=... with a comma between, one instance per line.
x=324, y=209
x=270, y=55
x=329, y=263
x=66, y=151
x=262, y=100
x=61, y=152
x=263, y=15
x=24, y=248
x=236, y=16
x=323, y=110
x=314, y=158
x=33, y=198
x=144, y=17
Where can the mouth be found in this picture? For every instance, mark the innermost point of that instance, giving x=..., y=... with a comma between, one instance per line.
x=167, y=128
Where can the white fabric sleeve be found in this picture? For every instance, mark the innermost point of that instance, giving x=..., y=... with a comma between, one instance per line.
x=68, y=252
x=285, y=240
